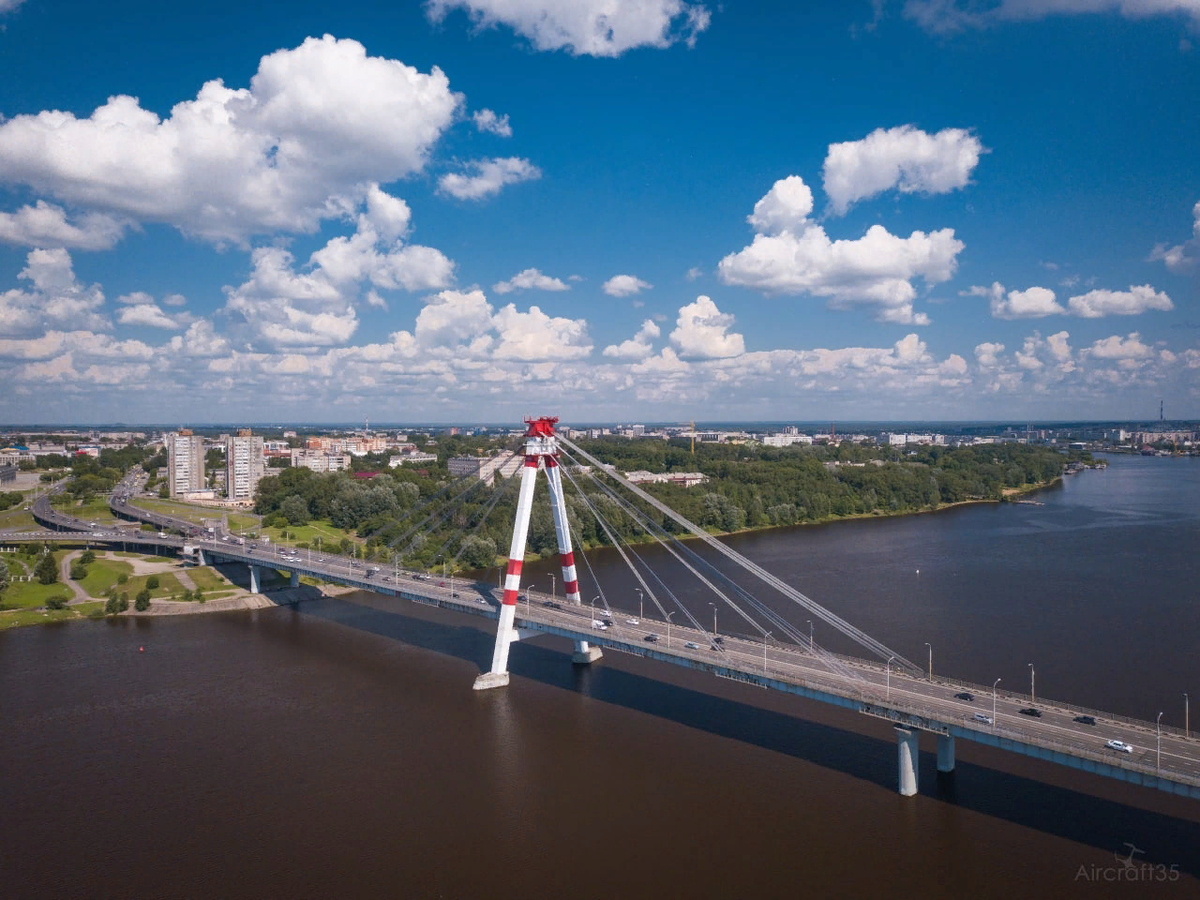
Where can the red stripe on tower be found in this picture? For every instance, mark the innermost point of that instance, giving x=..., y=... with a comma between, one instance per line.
x=531, y=462
x=567, y=559
x=571, y=587
x=510, y=598
x=514, y=567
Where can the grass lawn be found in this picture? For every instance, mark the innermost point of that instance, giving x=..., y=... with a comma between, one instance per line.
x=30, y=594
x=207, y=579
x=16, y=519
x=167, y=585
x=196, y=514
x=329, y=535
x=103, y=574
x=89, y=609
x=94, y=510
x=34, y=617
x=241, y=522
x=16, y=566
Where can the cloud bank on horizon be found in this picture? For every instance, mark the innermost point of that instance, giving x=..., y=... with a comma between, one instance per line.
x=306, y=192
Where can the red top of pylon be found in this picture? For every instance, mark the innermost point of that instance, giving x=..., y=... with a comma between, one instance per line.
x=541, y=427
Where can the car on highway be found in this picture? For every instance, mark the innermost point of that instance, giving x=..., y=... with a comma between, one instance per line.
x=652, y=638
x=1120, y=746
x=598, y=625
x=632, y=622
x=1086, y=720
x=963, y=695
x=691, y=645
x=980, y=717
x=1030, y=711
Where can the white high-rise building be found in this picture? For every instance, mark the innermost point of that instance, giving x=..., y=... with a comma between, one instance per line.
x=185, y=462
x=244, y=465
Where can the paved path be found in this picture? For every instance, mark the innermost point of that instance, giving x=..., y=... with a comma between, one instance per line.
x=81, y=596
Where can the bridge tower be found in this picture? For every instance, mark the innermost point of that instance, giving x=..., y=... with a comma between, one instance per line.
x=541, y=453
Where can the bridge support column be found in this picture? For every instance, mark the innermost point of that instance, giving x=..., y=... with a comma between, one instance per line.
x=200, y=557
x=585, y=654
x=294, y=581
x=945, y=753
x=253, y=579
x=909, y=745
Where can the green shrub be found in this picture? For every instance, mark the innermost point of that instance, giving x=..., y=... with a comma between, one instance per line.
x=122, y=578
x=87, y=557
x=142, y=603
x=152, y=582
x=78, y=571
x=56, y=603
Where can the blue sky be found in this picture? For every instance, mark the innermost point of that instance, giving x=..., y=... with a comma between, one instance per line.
x=661, y=210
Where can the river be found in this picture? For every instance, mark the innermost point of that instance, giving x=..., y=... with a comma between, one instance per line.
x=338, y=750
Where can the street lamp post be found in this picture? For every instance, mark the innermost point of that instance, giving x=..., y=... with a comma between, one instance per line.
x=994, y=683
x=641, y=603
x=889, y=679
x=810, y=642
x=551, y=587
x=669, y=628
x=1158, y=729
x=1032, y=695
x=593, y=609
x=1186, y=730
x=930, y=646
x=714, y=606
x=765, y=636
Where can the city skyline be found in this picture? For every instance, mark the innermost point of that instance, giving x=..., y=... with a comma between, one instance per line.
x=465, y=211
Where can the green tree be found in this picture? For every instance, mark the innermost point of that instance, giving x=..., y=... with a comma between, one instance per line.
x=47, y=569
x=165, y=491
x=295, y=508
x=478, y=552
x=56, y=603
x=87, y=557
x=142, y=603
x=198, y=595
x=78, y=571
x=152, y=583
x=122, y=578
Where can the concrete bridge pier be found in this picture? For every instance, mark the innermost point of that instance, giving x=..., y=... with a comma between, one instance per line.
x=294, y=581
x=585, y=654
x=200, y=557
x=253, y=579
x=908, y=741
x=945, y=753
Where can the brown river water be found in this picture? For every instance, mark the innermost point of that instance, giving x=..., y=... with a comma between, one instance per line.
x=337, y=749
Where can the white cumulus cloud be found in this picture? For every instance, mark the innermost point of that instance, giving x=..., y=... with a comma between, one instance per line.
x=637, y=347
x=485, y=177
x=1181, y=258
x=530, y=279
x=625, y=286
x=877, y=270
x=949, y=16
x=905, y=158
x=1138, y=299
x=317, y=124
x=56, y=298
x=586, y=27
x=702, y=332
x=1118, y=348
x=45, y=225
x=1033, y=303
x=486, y=120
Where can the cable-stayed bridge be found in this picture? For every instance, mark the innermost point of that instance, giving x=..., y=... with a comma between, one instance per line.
x=770, y=652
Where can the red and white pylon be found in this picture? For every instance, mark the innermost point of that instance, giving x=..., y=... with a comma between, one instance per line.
x=541, y=452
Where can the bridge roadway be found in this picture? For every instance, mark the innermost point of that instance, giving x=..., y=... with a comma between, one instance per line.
x=912, y=704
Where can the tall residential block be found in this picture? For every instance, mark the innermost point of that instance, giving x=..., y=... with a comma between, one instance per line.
x=185, y=462
x=245, y=464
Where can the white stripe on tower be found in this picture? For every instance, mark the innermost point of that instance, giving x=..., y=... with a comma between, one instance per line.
x=516, y=555
x=562, y=528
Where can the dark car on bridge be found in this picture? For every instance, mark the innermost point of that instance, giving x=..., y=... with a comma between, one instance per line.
x=963, y=695
x=1030, y=711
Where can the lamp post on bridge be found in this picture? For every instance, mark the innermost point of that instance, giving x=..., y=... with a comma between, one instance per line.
x=1032, y=696
x=994, y=683
x=930, y=646
x=551, y=587
x=810, y=641
x=765, y=636
x=889, y=679
x=671, y=613
x=642, y=604
x=714, y=607
x=1186, y=730
x=1158, y=730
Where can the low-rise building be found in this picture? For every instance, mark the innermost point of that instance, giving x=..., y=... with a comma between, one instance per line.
x=415, y=458
x=486, y=468
x=683, y=479
x=8, y=474
x=320, y=461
